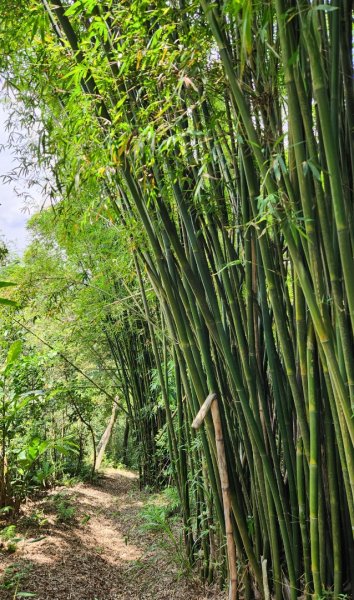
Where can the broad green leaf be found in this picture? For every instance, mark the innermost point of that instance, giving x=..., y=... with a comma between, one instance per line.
x=43, y=446
x=13, y=353
x=7, y=302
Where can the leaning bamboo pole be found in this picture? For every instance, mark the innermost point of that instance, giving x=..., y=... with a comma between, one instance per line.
x=211, y=403
x=102, y=445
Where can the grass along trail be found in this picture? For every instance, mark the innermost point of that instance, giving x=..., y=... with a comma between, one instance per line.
x=86, y=543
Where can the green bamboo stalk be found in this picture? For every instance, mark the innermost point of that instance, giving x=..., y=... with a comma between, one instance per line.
x=301, y=491
x=325, y=336
x=314, y=488
x=340, y=216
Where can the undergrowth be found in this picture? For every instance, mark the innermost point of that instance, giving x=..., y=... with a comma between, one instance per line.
x=13, y=577
x=64, y=508
x=161, y=515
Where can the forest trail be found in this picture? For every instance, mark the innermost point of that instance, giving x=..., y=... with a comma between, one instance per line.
x=99, y=553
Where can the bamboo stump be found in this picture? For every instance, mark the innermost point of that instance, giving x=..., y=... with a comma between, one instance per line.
x=211, y=403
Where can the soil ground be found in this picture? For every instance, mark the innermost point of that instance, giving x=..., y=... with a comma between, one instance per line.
x=101, y=554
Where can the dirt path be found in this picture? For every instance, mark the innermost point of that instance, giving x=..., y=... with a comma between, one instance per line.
x=101, y=554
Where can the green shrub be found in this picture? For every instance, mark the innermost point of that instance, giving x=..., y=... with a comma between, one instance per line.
x=65, y=510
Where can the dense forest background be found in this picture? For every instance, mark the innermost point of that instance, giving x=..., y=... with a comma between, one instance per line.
x=196, y=164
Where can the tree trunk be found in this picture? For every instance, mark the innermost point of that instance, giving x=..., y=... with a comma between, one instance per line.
x=102, y=445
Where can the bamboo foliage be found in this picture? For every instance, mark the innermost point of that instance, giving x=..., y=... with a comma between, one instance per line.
x=223, y=137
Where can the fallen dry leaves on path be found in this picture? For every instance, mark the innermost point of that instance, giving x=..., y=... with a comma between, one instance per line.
x=101, y=555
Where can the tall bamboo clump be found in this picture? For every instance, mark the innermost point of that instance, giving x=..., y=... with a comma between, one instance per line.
x=223, y=135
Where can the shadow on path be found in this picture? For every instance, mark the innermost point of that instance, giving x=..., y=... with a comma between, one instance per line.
x=102, y=555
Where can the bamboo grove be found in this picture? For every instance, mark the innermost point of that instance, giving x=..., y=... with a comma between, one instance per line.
x=219, y=136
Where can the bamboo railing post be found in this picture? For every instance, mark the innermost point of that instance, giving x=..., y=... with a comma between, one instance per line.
x=211, y=403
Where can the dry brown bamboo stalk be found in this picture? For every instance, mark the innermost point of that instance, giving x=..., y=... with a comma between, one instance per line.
x=211, y=402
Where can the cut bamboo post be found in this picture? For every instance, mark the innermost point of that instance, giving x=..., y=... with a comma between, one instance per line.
x=211, y=403
x=265, y=579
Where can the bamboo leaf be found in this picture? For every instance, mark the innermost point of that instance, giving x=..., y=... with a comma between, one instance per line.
x=7, y=302
x=325, y=8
